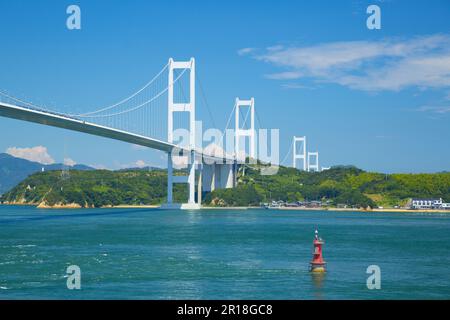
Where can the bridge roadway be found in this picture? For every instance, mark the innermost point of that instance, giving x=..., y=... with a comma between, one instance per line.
x=67, y=122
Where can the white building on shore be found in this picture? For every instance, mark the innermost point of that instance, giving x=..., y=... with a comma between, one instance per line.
x=426, y=203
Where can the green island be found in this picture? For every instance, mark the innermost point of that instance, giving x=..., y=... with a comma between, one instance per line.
x=340, y=186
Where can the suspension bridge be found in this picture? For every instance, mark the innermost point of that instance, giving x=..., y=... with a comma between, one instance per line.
x=137, y=119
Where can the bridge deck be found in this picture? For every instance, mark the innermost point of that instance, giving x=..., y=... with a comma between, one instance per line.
x=66, y=122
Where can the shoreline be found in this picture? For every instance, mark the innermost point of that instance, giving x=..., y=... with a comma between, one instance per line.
x=331, y=209
x=364, y=210
x=77, y=206
x=132, y=206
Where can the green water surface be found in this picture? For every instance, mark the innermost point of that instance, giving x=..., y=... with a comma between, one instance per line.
x=221, y=254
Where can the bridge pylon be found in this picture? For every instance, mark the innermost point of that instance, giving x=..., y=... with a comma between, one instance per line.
x=190, y=159
x=299, y=154
x=313, y=166
x=242, y=132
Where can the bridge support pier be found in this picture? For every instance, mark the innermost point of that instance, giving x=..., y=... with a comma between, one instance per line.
x=169, y=178
x=189, y=179
x=218, y=176
x=191, y=182
x=200, y=185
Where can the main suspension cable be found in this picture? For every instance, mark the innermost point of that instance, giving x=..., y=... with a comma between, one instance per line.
x=126, y=99
x=134, y=108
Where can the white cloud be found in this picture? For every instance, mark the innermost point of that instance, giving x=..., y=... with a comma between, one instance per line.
x=245, y=51
x=287, y=75
x=135, y=164
x=99, y=166
x=438, y=110
x=36, y=154
x=215, y=150
x=389, y=64
x=140, y=164
x=297, y=86
x=69, y=162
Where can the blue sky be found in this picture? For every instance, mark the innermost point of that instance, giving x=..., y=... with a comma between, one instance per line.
x=377, y=99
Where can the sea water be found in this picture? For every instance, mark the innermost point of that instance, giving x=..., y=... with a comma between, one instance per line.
x=221, y=254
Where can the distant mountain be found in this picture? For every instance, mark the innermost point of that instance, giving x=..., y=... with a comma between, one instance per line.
x=14, y=170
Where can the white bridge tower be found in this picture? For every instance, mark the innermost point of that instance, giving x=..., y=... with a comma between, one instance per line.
x=300, y=153
x=313, y=165
x=242, y=132
x=187, y=106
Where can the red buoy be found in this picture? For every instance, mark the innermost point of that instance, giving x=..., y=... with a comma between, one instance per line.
x=317, y=264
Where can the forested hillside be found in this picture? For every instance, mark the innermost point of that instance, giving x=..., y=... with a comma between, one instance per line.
x=339, y=185
x=94, y=188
